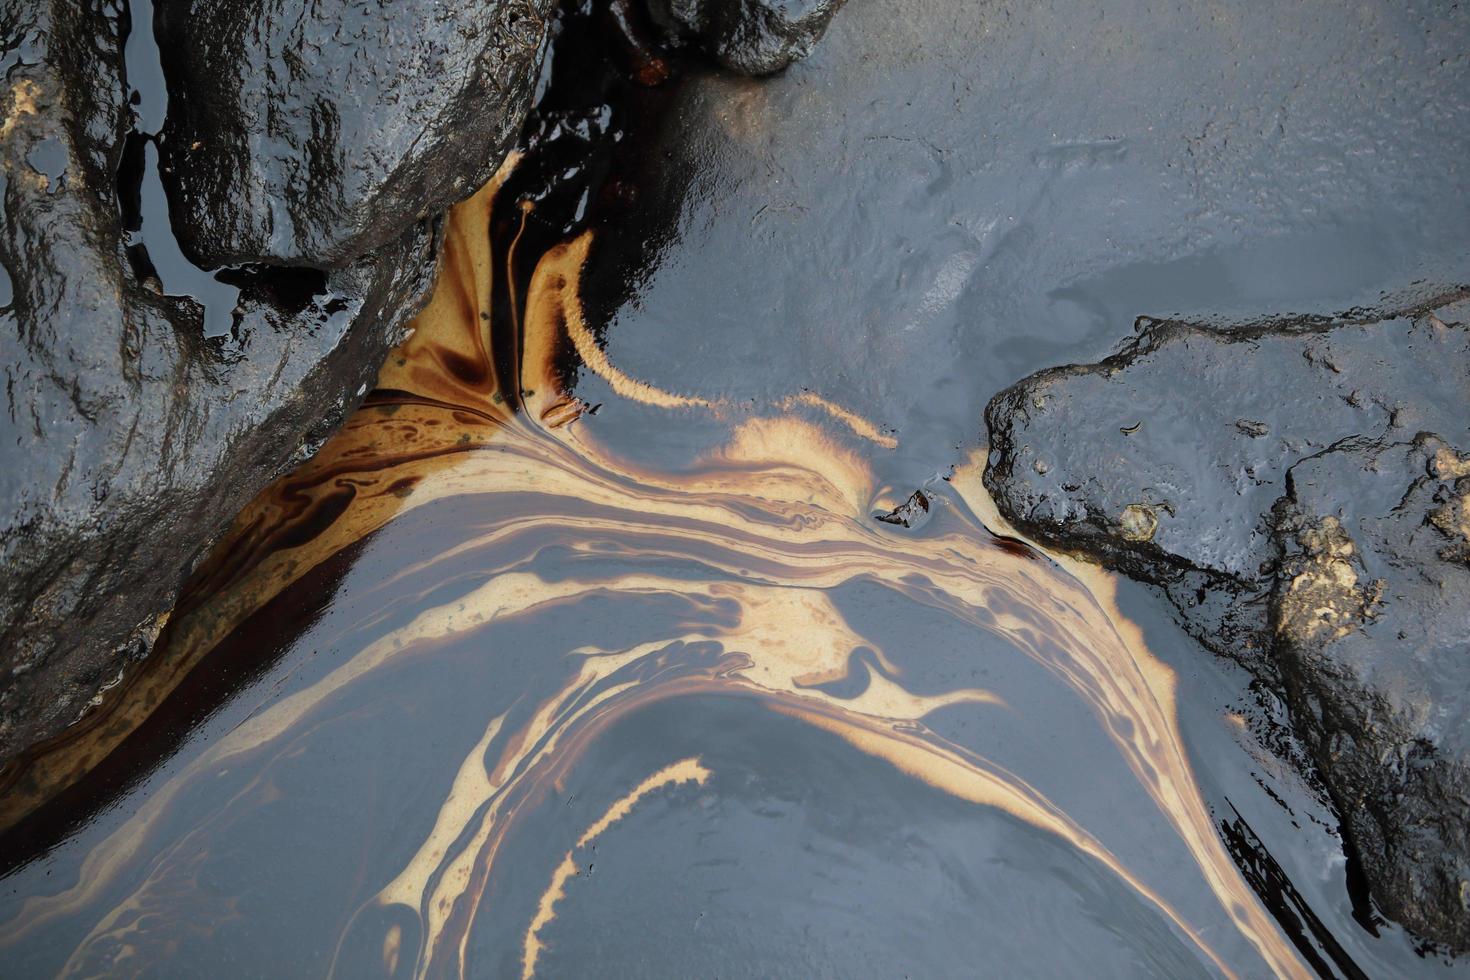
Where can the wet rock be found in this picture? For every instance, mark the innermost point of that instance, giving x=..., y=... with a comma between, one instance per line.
x=912, y=513
x=308, y=134
x=925, y=244
x=1299, y=491
x=755, y=37
x=1371, y=616
x=129, y=439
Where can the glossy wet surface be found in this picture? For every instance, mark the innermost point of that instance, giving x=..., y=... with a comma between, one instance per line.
x=583, y=650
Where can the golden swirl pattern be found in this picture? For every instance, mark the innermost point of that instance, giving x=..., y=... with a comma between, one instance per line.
x=740, y=576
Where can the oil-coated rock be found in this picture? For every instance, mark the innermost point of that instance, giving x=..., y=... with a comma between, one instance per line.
x=1370, y=611
x=1299, y=492
x=755, y=37
x=129, y=439
x=309, y=133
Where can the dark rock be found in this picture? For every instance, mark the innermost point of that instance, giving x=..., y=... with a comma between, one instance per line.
x=148, y=399
x=129, y=439
x=309, y=133
x=755, y=37
x=1298, y=492
x=912, y=513
x=943, y=202
x=1371, y=614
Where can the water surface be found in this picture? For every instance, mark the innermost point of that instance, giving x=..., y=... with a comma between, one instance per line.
x=585, y=646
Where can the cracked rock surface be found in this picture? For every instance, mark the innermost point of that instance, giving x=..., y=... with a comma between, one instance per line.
x=304, y=153
x=129, y=440
x=308, y=135
x=1299, y=491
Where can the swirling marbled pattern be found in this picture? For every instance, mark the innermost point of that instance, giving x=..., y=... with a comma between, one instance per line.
x=482, y=669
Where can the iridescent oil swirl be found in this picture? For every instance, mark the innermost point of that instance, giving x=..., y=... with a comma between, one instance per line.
x=493, y=657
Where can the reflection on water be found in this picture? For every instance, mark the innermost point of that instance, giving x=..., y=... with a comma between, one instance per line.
x=488, y=698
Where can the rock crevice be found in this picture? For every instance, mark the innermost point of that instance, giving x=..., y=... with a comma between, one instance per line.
x=155, y=377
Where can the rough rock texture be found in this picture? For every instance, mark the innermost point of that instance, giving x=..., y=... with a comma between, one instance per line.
x=1371, y=610
x=948, y=196
x=309, y=133
x=296, y=138
x=755, y=37
x=128, y=439
x=1299, y=491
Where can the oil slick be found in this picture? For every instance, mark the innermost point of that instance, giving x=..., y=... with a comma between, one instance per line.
x=560, y=593
x=683, y=771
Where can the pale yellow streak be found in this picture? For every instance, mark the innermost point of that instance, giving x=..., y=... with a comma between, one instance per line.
x=793, y=652
x=789, y=634
x=392, y=947
x=813, y=493
x=467, y=247
x=469, y=791
x=566, y=261
x=554, y=296
x=683, y=771
x=859, y=425
x=1178, y=795
x=543, y=733
x=946, y=771
x=774, y=458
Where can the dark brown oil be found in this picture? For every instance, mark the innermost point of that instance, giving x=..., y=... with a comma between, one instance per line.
x=503, y=683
